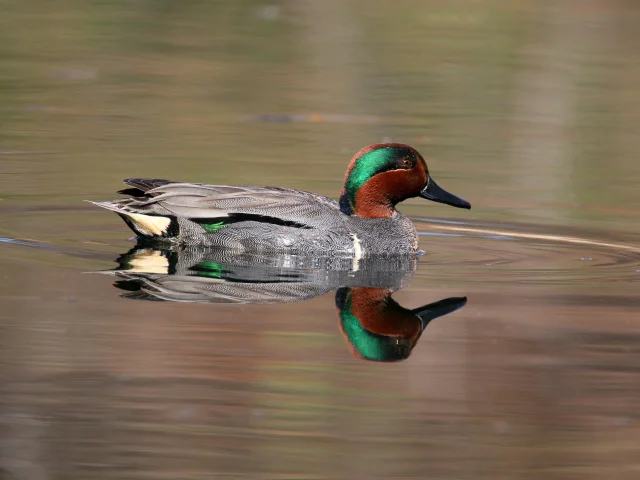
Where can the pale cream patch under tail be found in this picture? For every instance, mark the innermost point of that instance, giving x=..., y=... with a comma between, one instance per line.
x=149, y=225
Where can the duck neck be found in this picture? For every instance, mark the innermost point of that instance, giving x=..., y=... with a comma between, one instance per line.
x=369, y=201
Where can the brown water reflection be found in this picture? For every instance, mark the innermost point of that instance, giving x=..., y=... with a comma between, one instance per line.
x=535, y=376
x=529, y=111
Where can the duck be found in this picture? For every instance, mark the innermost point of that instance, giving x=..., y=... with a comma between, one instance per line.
x=362, y=222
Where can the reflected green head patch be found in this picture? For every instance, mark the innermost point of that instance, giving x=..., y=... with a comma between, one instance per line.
x=370, y=346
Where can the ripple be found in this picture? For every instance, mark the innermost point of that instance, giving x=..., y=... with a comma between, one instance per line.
x=489, y=254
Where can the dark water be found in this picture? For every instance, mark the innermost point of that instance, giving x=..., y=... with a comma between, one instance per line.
x=529, y=112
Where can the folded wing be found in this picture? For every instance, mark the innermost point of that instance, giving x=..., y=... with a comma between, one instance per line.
x=198, y=201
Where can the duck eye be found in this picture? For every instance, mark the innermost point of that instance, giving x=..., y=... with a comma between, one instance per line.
x=405, y=163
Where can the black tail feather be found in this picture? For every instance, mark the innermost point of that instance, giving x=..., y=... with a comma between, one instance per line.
x=146, y=184
x=133, y=192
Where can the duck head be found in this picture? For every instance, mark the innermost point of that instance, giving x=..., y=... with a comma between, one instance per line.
x=378, y=329
x=384, y=174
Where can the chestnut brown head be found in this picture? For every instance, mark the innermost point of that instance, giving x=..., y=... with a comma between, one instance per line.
x=384, y=174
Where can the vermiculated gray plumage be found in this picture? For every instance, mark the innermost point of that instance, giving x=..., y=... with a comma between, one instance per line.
x=258, y=219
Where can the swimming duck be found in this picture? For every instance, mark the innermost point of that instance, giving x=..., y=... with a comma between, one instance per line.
x=269, y=219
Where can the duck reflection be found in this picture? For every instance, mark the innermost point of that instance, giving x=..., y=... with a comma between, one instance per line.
x=375, y=326
x=378, y=328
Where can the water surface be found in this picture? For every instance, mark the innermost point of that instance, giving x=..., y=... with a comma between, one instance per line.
x=529, y=112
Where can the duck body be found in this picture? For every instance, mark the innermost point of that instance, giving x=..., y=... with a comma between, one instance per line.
x=269, y=219
x=333, y=233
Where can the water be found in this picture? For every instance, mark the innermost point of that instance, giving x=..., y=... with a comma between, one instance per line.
x=529, y=112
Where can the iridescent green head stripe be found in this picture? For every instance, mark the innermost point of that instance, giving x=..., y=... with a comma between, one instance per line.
x=366, y=164
x=371, y=163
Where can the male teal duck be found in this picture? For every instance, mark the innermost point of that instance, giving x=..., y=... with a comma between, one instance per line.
x=261, y=220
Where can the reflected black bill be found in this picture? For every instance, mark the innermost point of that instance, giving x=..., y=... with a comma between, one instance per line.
x=433, y=192
x=437, y=309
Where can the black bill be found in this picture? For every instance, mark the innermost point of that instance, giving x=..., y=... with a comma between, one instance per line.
x=434, y=310
x=433, y=192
